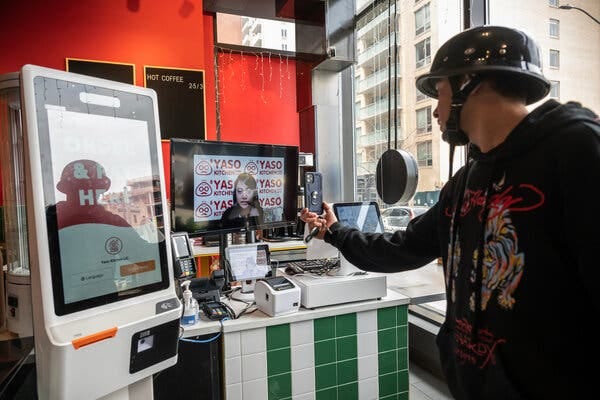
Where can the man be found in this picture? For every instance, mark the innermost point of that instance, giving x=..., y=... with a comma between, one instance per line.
x=516, y=227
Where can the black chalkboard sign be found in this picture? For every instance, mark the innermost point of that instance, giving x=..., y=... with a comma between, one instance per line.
x=119, y=72
x=181, y=105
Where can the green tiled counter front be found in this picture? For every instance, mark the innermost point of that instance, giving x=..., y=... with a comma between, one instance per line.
x=357, y=355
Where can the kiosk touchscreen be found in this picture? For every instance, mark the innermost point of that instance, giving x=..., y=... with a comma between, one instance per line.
x=106, y=315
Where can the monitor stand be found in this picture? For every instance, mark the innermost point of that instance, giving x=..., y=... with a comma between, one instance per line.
x=251, y=236
x=246, y=294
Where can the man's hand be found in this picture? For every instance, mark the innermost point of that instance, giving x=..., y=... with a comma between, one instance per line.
x=322, y=222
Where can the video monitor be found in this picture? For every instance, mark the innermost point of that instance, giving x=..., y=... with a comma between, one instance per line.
x=363, y=216
x=221, y=187
x=96, y=171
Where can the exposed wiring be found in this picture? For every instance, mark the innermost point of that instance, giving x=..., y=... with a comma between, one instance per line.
x=203, y=341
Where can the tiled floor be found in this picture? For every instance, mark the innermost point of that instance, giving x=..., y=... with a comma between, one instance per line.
x=425, y=386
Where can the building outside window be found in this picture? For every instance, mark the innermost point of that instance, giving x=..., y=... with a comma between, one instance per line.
x=424, y=156
x=419, y=134
x=423, y=52
x=422, y=20
x=554, y=28
x=424, y=120
x=555, y=58
x=420, y=95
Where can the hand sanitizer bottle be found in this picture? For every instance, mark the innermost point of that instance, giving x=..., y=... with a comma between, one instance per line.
x=190, y=305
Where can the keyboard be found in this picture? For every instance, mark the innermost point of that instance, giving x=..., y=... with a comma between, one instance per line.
x=316, y=266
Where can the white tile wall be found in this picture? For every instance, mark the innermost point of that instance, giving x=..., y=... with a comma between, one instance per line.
x=303, y=356
x=305, y=396
x=368, y=357
x=254, y=366
x=233, y=370
x=231, y=348
x=301, y=332
x=368, y=367
x=303, y=381
x=366, y=321
x=368, y=389
x=233, y=392
x=366, y=344
x=253, y=341
x=255, y=390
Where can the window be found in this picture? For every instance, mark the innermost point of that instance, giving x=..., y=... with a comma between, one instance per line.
x=554, y=28
x=423, y=52
x=424, y=120
x=553, y=3
x=372, y=89
x=422, y=20
x=555, y=89
x=555, y=58
x=424, y=157
x=255, y=33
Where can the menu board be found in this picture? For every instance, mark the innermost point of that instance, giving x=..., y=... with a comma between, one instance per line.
x=181, y=101
x=119, y=72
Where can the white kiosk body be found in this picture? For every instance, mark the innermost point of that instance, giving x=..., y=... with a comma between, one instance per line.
x=106, y=314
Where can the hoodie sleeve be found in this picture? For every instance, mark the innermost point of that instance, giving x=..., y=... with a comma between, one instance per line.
x=579, y=177
x=387, y=252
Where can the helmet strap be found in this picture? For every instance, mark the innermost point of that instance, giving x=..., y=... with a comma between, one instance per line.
x=460, y=91
x=453, y=134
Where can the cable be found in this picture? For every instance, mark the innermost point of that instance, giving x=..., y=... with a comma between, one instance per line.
x=205, y=340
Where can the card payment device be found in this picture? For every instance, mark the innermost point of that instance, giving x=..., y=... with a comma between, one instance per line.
x=184, y=263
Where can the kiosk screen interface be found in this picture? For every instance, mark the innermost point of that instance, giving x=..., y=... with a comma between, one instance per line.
x=362, y=216
x=100, y=170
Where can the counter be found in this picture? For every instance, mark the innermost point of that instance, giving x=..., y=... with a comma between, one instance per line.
x=353, y=350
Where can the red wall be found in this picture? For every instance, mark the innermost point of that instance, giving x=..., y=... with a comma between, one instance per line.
x=257, y=96
x=254, y=107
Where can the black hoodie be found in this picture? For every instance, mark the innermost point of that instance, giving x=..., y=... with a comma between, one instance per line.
x=522, y=246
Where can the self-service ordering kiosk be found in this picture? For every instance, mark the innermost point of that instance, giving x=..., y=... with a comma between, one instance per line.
x=106, y=315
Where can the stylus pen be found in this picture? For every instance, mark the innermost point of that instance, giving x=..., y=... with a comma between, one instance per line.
x=314, y=232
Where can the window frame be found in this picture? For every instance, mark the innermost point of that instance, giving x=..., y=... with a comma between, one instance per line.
x=427, y=24
x=426, y=161
x=429, y=120
x=554, y=54
x=426, y=60
x=553, y=22
x=554, y=87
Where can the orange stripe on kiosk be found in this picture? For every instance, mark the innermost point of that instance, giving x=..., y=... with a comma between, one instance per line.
x=96, y=337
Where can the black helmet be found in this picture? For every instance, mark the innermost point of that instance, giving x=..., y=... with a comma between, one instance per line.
x=489, y=49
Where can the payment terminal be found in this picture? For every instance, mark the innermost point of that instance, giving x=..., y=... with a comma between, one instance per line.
x=184, y=263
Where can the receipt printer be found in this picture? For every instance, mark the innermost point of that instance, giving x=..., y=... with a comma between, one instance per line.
x=277, y=296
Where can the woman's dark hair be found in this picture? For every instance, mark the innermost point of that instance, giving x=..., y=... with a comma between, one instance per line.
x=250, y=182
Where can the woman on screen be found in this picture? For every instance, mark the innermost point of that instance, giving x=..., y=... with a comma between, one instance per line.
x=245, y=200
